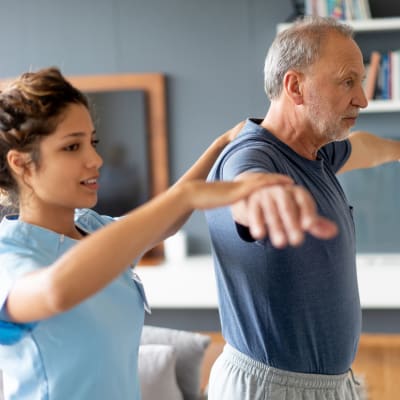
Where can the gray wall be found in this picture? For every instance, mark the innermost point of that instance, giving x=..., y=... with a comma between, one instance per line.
x=212, y=52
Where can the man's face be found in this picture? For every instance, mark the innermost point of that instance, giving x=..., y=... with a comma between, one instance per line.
x=333, y=92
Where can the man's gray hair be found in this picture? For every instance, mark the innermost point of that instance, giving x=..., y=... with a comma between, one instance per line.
x=298, y=47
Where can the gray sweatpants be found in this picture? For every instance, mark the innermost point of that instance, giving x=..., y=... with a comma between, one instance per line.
x=235, y=376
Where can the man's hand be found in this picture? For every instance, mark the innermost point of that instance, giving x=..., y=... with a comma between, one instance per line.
x=283, y=212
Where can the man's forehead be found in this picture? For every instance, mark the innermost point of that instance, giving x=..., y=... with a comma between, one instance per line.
x=342, y=53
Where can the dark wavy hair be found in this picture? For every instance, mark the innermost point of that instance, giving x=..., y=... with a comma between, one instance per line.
x=31, y=107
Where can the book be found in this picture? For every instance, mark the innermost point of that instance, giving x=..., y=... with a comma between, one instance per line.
x=395, y=72
x=383, y=77
x=372, y=76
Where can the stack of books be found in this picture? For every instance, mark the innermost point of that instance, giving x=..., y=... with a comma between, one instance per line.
x=339, y=9
x=383, y=76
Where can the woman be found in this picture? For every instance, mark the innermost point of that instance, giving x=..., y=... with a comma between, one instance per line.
x=71, y=309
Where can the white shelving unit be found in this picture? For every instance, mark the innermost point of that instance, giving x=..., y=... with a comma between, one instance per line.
x=382, y=106
x=190, y=282
x=365, y=25
x=371, y=25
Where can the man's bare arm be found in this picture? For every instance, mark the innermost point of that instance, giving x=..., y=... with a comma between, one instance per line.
x=368, y=150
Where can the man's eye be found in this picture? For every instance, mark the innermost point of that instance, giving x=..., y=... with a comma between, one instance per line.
x=72, y=147
x=349, y=83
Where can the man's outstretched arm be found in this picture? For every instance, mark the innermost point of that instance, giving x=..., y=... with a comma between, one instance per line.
x=368, y=150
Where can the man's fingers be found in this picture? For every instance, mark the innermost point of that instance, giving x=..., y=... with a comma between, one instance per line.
x=311, y=222
x=285, y=213
x=290, y=215
x=323, y=228
x=256, y=221
x=274, y=223
x=307, y=208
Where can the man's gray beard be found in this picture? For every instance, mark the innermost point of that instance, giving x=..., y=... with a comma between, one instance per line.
x=333, y=133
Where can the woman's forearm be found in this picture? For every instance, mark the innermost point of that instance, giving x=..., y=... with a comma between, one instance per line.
x=201, y=168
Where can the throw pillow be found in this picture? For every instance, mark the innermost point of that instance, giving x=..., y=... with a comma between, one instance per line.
x=189, y=347
x=157, y=374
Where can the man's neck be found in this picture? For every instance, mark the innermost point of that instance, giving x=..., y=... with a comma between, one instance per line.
x=289, y=130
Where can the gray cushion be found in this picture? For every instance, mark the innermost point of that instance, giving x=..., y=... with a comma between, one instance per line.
x=189, y=347
x=157, y=373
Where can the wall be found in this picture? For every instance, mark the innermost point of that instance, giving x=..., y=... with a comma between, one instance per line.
x=212, y=52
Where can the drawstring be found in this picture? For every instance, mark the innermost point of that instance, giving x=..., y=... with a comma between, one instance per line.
x=353, y=378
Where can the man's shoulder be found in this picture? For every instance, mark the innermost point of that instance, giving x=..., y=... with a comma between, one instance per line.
x=336, y=153
x=90, y=220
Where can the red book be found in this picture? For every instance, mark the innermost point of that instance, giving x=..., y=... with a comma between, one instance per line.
x=372, y=76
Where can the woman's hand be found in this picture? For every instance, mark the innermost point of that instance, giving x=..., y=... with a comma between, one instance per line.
x=232, y=133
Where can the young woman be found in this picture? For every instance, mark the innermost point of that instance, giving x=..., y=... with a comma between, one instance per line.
x=71, y=307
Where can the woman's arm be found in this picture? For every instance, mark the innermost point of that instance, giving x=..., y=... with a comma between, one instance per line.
x=99, y=258
x=200, y=170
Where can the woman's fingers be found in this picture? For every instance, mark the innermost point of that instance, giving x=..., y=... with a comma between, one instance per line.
x=233, y=132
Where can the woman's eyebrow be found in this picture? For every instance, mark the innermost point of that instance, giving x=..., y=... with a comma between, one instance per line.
x=78, y=134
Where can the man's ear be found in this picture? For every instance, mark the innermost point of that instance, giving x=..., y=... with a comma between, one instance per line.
x=18, y=162
x=292, y=85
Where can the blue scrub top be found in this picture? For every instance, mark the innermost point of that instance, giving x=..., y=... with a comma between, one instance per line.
x=89, y=352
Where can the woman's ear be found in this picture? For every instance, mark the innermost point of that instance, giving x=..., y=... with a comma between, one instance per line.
x=18, y=162
x=292, y=85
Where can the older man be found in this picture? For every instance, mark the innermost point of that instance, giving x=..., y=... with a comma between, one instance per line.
x=289, y=301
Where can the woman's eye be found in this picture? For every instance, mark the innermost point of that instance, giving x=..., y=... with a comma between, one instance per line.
x=95, y=142
x=72, y=147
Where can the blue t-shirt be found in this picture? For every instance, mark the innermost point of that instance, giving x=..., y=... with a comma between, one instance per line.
x=296, y=308
x=88, y=352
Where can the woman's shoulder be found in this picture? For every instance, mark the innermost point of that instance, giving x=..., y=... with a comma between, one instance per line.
x=13, y=232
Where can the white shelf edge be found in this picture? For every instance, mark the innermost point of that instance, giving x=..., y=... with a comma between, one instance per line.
x=364, y=25
x=190, y=283
x=380, y=106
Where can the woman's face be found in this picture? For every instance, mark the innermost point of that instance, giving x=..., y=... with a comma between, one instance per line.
x=66, y=176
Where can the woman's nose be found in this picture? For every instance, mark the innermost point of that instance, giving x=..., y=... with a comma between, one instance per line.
x=94, y=159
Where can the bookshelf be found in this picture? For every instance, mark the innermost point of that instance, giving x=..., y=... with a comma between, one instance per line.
x=365, y=25
x=371, y=25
